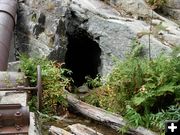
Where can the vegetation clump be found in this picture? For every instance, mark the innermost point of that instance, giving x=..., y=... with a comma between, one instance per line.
x=157, y=4
x=53, y=82
x=146, y=92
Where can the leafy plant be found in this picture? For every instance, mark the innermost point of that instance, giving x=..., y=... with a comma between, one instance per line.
x=157, y=120
x=93, y=83
x=156, y=3
x=133, y=117
x=150, y=120
x=53, y=81
x=103, y=97
x=176, y=51
x=32, y=103
x=137, y=49
x=138, y=88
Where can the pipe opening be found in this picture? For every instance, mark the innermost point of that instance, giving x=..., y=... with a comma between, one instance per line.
x=82, y=57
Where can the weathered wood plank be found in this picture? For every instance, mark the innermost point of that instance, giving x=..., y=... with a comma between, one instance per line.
x=79, y=129
x=110, y=119
x=58, y=131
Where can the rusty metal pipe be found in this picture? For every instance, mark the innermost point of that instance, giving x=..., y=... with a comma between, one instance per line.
x=8, y=10
x=21, y=88
x=17, y=81
x=14, y=119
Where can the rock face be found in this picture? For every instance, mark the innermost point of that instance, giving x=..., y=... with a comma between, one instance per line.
x=140, y=7
x=173, y=4
x=134, y=7
x=112, y=33
x=172, y=7
x=40, y=31
x=87, y=34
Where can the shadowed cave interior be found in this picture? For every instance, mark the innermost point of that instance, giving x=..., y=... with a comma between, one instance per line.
x=82, y=57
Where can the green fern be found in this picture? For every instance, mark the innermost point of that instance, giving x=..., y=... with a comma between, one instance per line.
x=141, y=88
x=53, y=80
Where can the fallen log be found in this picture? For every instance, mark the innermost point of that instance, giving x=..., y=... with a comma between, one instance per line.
x=79, y=129
x=110, y=119
x=58, y=131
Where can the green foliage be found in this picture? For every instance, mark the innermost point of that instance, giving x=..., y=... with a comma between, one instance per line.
x=146, y=86
x=133, y=117
x=137, y=49
x=103, y=97
x=53, y=81
x=145, y=92
x=157, y=3
x=150, y=120
x=33, y=17
x=93, y=83
x=176, y=51
x=144, y=81
x=32, y=103
x=157, y=120
x=123, y=130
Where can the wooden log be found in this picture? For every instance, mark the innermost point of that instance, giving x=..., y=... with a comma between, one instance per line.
x=58, y=131
x=79, y=129
x=110, y=119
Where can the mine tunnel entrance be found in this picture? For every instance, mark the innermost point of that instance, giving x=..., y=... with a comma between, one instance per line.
x=82, y=57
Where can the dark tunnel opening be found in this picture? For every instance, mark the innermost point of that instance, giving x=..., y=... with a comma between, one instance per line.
x=82, y=57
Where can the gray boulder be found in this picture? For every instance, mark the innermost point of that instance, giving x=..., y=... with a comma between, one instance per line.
x=40, y=29
x=172, y=7
x=137, y=8
x=112, y=33
x=173, y=4
x=87, y=34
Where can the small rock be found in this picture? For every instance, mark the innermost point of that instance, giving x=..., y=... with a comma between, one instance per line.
x=79, y=129
x=32, y=128
x=14, y=66
x=83, y=89
x=156, y=21
x=14, y=98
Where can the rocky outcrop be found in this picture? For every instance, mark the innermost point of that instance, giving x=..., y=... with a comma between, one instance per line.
x=173, y=4
x=134, y=7
x=172, y=7
x=113, y=33
x=40, y=29
x=140, y=10
x=86, y=34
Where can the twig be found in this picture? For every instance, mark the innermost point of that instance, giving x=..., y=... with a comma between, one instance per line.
x=150, y=36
